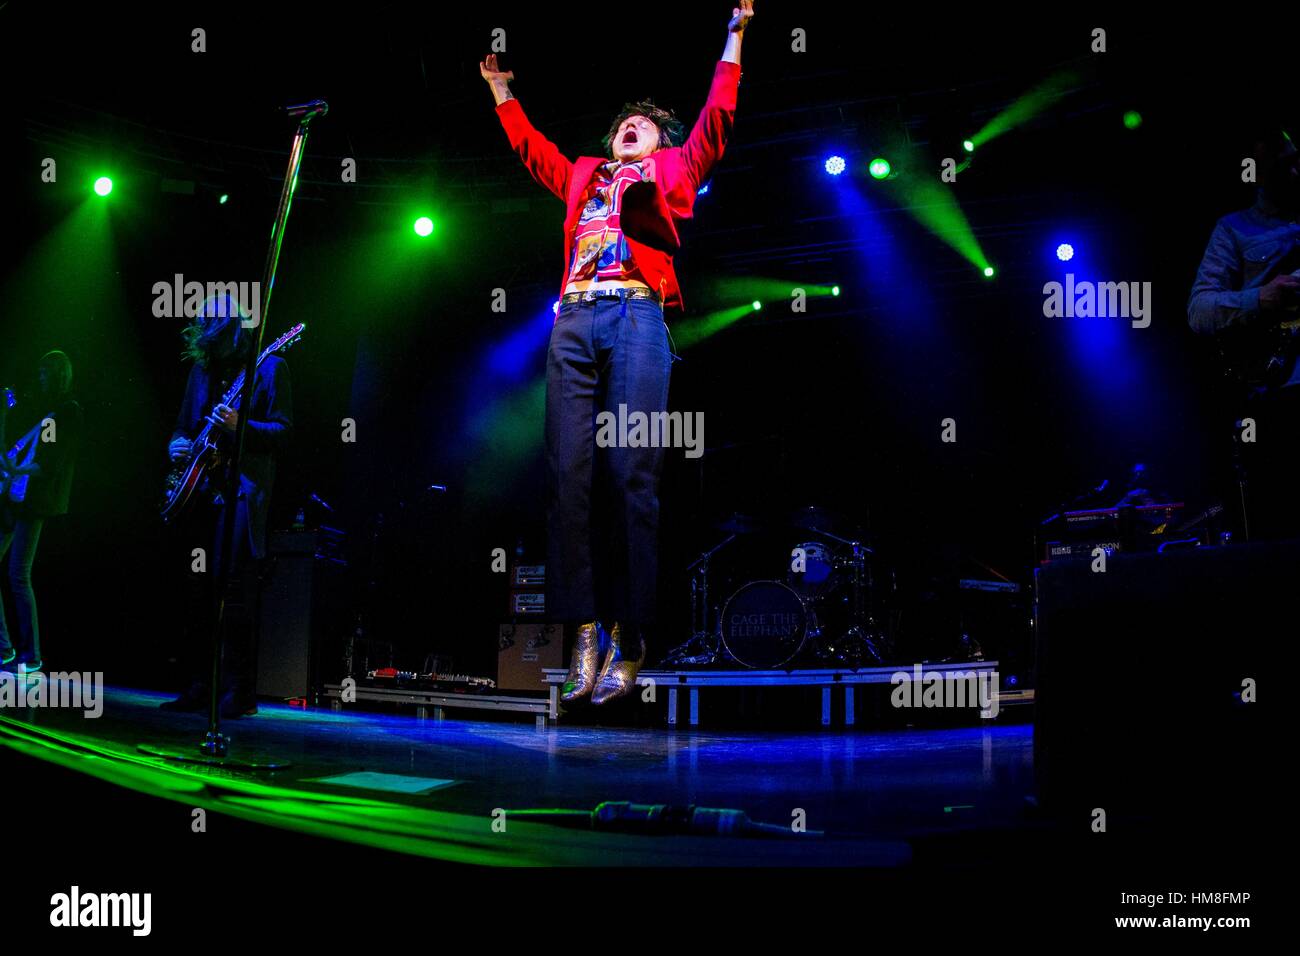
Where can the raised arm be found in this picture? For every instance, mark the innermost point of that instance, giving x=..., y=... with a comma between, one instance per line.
x=708, y=137
x=542, y=157
x=740, y=17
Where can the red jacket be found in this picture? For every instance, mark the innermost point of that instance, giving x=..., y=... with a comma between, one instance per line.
x=650, y=210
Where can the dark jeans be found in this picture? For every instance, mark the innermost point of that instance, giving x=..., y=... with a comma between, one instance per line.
x=202, y=528
x=19, y=540
x=602, y=510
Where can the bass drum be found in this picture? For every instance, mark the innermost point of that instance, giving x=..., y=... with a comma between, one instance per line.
x=764, y=625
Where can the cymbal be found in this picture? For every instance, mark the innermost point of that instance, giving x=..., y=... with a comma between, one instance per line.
x=741, y=524
x=815, y=518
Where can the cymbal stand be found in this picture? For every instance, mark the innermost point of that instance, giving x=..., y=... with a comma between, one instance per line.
x=703, y=645
x=863, y=640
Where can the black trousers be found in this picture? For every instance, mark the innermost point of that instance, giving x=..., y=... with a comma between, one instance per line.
x=202, y=529
x=602, y=506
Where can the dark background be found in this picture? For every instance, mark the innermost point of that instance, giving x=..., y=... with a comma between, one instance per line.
x=839, y=407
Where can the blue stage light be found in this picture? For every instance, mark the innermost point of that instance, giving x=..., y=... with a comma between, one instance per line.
x=702, y=190
x=836, y=165
x=1065, y=252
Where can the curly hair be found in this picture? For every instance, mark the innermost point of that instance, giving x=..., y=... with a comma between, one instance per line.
x=672, y=132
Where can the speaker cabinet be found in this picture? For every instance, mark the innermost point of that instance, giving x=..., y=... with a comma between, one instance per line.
x=523, y=650
x=1140, y=676
x=302, y=606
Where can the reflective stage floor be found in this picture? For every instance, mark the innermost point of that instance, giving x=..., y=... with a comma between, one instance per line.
x=446, y=789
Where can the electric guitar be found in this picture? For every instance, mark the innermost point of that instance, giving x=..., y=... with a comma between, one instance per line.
x=1262, y=360
x=14, y=487
x=188, y=475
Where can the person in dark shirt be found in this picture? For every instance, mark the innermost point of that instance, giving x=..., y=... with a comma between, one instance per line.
x=37, y=483
x=218, y=344
x=1246, y=289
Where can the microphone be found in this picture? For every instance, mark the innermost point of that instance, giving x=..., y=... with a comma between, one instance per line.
x=320, y=501
x=307, y=111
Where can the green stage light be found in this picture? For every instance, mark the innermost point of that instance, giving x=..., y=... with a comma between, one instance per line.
x=1132, y=119
x=835, y=290
x=988, y=272
x=103, y=186
x=223, y=198
x=1028, y=105
x=879, y=168
x=423, y=226
x=968, y=146
x=757, y=305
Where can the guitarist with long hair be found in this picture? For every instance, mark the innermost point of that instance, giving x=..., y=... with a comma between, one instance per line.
x=218, y=345
x=1247, y=295
x=35, y=484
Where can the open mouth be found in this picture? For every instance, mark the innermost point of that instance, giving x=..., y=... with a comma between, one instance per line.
x=629, y=137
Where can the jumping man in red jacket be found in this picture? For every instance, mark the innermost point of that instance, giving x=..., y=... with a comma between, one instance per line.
x=609, y=348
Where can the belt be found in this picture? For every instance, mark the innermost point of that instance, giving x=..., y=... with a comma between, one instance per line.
x=591, y=295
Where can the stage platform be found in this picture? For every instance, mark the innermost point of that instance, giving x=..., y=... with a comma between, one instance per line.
x=436, y=703
x=434, y=788
x=693, y=680
x=690, y=681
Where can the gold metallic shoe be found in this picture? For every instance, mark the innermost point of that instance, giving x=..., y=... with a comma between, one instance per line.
x=622, y=663
x=583, y=663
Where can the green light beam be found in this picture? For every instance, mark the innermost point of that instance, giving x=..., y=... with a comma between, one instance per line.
x=1027, y=106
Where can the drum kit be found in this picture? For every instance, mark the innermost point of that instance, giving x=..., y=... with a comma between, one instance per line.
x=815, y=606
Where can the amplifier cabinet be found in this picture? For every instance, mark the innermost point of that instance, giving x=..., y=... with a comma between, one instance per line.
x=302, y=617
x=1139, y=678
x=523, y=650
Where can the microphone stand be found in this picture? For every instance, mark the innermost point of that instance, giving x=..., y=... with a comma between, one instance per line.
x=216, y=744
